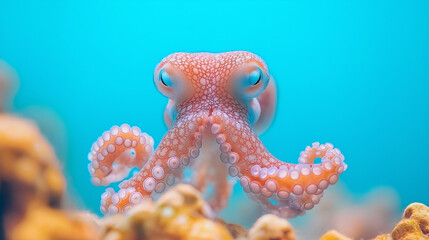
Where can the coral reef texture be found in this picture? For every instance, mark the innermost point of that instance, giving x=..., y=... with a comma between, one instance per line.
x=181, y=213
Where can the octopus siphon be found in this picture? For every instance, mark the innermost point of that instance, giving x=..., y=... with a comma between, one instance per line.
x=218, y=105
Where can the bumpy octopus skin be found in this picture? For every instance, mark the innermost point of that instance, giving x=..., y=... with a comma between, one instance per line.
x=218, y=104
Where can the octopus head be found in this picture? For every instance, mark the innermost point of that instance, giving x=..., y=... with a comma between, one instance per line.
x=231, y=82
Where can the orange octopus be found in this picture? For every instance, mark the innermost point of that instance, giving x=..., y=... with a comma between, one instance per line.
x=218, y=104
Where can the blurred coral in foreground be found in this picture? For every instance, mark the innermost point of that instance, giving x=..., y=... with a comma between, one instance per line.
x=32, y=188
x=181, y=213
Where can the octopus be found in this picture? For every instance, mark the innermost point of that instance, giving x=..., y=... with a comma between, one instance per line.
x=218, y=105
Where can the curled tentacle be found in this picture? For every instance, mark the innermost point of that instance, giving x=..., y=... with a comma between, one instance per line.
x=116, y=152
x=178, y=147
x=288, y=189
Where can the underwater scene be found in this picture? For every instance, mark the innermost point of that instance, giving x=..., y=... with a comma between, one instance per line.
x=268, y=120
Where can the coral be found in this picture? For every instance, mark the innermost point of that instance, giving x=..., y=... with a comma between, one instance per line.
x=334, y=235
x=32, y=187
x=413, y=226
x=383, y=237
x=407, y=229
x=29, y=169
x=236, y=231
x=47, y=223
x=181, y=213
x=178, y=214
x=269, y=227
x=419, y=213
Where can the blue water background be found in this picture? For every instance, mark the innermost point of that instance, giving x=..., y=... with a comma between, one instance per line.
x=354, y=73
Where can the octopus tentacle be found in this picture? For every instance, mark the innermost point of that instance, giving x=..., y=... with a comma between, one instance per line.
x=211, y=172
x=288, y=188
x=178, y=147
x=117, y=151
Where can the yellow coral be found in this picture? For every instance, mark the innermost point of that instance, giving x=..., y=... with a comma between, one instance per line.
x=383, y=237
x=237, y=232
x=47, y=223
x=408, y=229
x=414, y=224
x=334, y=235
x=32, y=187
x=270, y=226
x=178, y=214
x=419, y=213
x=181, y=213
x=23, y=136
x=29, y=170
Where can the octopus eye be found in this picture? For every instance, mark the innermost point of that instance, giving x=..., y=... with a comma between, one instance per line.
x=255, y=76
x=250, y=81
x=165, y=78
